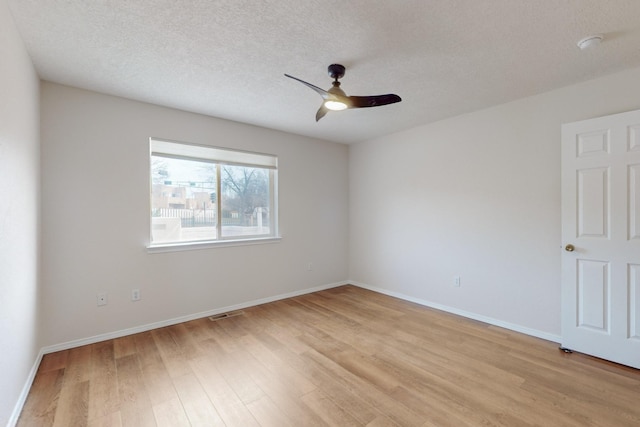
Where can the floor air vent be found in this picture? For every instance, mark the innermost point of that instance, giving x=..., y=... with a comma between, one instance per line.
x=225, y=315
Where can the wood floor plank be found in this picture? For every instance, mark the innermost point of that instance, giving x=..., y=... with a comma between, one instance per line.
x=103, y=386
x=103, y=360
x=110, y=420
x=78, y=366
x=286, y=356
x=196, y=403
x=346, y=397
x=236, y=371
x=135, y=405
x=279, y=390
x=171, y=414
x=73, y=405
x=382, y=421
x=185, y=341
x=124, y=346
x=54, y=361
x=42, y=401
x=146, y=349
x=218, y=330
x=133, y=416
x=174, y=353
x=274, y=316
x=198, y=329
x=269, y=414
x=328, y=410
x=103, y=396
x=395, y=410
x=338, y=357
x=368, y=369
x=229, y=406
x=158, y=383
x=276, y=366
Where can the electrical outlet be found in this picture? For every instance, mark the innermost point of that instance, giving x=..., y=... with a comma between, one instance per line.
x=102, y=299
x=135, y=295
x=456, y=281
x=309, y=266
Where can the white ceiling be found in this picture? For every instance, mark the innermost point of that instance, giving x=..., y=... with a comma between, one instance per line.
x=226, y=58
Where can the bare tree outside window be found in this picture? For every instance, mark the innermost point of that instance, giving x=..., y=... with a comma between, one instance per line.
x=244, y=190
x=159, y=170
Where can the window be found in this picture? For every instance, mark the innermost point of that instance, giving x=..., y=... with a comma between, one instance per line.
x=205, y=194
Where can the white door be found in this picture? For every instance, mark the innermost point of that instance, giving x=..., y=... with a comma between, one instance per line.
x=601, y=237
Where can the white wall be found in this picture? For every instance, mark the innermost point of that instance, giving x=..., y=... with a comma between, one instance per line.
x=19, y=206
x=476, y=196
x=95, y=209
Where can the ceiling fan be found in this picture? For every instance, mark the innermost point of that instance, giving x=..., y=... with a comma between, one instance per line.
x=335, y=99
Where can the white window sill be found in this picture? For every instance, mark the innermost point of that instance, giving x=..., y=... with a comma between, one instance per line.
x=191, y=246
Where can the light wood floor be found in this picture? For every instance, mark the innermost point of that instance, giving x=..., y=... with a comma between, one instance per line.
x=341, y=357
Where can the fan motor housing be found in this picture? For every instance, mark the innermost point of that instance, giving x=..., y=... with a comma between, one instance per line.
x=336, y=71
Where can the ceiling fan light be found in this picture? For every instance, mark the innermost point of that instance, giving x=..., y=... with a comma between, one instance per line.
x=590, y=41
x=335, y=105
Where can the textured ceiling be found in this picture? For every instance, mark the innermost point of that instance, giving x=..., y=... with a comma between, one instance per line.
x=226, y=58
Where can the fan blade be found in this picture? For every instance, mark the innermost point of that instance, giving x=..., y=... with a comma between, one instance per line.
x=322, y=111
x=373, y=101
x=323, y=93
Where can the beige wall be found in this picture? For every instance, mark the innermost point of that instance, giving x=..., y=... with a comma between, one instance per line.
x=19, y=195
x=96, y=243
x=475, y=196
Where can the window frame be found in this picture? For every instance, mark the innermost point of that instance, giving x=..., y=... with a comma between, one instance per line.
x=220, y=157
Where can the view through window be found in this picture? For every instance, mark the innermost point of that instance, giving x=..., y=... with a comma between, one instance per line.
x=201, y=193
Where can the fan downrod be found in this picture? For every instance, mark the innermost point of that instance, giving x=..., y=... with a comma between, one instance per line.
x=336, y=71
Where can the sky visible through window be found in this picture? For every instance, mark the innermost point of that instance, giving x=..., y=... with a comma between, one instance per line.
x=180, y=170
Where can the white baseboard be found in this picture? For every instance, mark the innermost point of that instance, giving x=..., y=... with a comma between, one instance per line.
x=13, y=419
x=511, y=326
x=161, y=324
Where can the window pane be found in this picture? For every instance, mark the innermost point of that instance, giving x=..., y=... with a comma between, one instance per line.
x=246, y=210
x=183, y=200
x=203, y=194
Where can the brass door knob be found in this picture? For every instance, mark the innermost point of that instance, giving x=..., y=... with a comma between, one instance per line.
x=569, y=248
